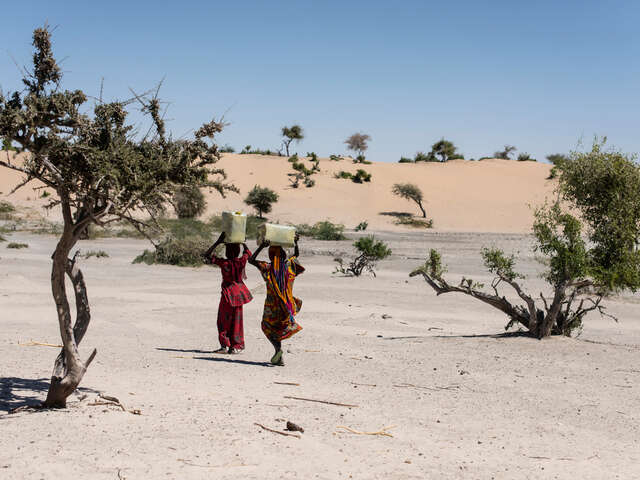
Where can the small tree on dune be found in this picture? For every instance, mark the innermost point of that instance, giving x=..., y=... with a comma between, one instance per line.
x=359, y=143
x=291, y=134
x=604, y=188
x=261, y=199
x=506, y=153
x=409, y=191
x=444, y=150
x=100, y=173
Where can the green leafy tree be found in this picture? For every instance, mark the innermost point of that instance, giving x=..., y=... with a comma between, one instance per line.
x=443, y=151
x=589, y=256
x=359, y=143
x=261, y=199
x=409, y=191
x=291, y=134
x=100, y=171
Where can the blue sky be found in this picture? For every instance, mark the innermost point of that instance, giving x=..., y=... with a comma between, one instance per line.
x=538, y=75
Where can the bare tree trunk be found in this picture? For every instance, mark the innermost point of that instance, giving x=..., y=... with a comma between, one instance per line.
x=424, y=213
x=550, y=318
x=68, y=368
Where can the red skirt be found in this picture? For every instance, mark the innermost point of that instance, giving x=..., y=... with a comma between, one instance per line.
x=230, y=325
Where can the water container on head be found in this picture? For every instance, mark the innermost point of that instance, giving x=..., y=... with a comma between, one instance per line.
x=278, y=235
x=234, y=226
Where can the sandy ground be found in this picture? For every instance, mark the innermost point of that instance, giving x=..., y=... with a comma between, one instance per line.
x=461, y=196
x=464, y=402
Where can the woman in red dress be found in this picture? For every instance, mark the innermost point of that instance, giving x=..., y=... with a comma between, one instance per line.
x=233, y=296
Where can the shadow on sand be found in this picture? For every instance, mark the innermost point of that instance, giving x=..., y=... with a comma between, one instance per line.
x=229, y=359
x=183, y=350
x=396, y=214
x=497, y=336
x=25, y=392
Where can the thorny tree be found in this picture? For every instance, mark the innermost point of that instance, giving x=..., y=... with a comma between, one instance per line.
x=101, y=172
x=604, y=188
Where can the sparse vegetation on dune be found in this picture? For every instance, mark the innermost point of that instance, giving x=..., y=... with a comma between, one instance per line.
x=17, y=246
x=249, y=150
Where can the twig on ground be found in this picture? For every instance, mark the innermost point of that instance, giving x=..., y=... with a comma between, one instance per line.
x=276, y=405
x=313, y=351
x=116, y=402
x=382, y=432
x=31, y=343
x=288, y=383
x=321, y=401
x=434, y=388
x=296, y=435
x=364, y=384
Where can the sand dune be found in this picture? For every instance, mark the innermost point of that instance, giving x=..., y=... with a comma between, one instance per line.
x=487, y=196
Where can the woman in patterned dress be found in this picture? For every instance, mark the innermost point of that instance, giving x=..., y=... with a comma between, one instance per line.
x=280, y=306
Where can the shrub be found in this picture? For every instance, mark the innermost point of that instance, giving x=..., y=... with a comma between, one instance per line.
x=506, y=153
x=342, y=174
x=370, y=251
x=261, y=199
x=227, y=149
x=362, y=226
x=248, y=150
x=293, y=158
x=183, y=252
x=2, y=239
x=322, y=231
x=189, y=202
x=414, y=222
x=361, y=176
x=309, y=182
x=95, y=253
x=361, y=159
x=17, y=245
x=424, y=157
x=405, y=160
x=335, y=158
x=525, y=157
x=45, y=194
x=6, y=210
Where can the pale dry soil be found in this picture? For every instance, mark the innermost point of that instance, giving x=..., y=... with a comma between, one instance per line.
x=464, y=402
